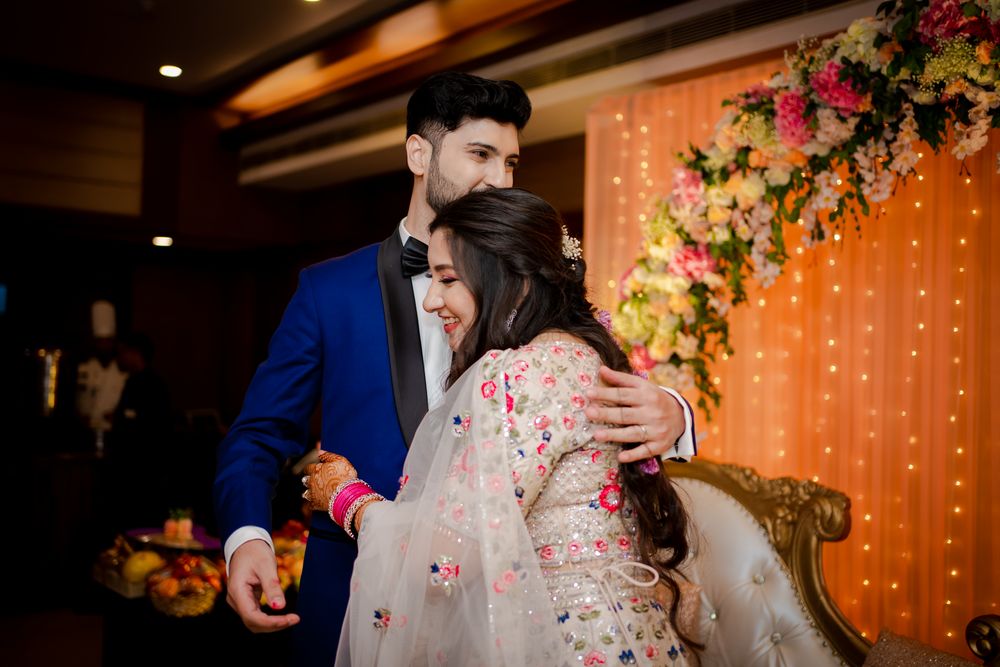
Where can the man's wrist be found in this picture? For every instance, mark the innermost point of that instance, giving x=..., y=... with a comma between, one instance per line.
x=241, y=536
x=685, y=446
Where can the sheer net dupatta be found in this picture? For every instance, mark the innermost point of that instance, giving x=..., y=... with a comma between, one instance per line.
x=447, y=574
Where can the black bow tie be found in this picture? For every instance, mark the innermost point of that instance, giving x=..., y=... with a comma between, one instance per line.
x=414, y=257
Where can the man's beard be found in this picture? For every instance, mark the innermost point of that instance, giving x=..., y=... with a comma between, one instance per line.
x=441, y=191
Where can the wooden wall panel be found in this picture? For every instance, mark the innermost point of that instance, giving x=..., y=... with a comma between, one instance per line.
x=69, y=149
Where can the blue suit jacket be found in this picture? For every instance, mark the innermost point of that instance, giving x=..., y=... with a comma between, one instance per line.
x=349, y=338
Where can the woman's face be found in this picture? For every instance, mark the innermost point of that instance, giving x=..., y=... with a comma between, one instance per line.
x=448, y=297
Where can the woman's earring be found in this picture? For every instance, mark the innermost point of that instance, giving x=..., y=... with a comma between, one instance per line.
x=510, y=319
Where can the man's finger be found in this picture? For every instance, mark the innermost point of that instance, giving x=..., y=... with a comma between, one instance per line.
x=613, y=395
x=613, y=415
x=619, y=379
x=246, y=601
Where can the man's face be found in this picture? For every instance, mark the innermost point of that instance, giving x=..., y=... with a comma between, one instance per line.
x=480, y=154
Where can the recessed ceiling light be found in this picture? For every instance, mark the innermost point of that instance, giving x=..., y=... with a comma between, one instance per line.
x=163, y=241
x=172, y=71
x=312, y=0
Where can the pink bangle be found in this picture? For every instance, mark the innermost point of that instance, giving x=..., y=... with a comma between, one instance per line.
x=343, y=500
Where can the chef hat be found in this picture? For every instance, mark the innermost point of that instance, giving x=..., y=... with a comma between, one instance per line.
x=102, y=319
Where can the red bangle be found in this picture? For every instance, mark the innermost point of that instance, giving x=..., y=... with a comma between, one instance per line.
x=343, y=500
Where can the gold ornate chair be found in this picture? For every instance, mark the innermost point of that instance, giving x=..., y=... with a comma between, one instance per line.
x=757, y=556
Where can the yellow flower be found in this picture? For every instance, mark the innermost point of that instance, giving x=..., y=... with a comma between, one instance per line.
x=718, y=215
x=659, y=348
x=681, y=305
x=659, y=307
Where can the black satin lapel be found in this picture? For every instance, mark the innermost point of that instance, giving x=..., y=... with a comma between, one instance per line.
x=406, y=361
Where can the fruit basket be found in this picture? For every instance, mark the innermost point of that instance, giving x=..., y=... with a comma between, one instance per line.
x=186, y=587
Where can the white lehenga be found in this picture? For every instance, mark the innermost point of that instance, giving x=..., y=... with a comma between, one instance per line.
x=509, y=543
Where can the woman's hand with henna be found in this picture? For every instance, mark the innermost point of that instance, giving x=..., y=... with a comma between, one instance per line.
x=324, y=477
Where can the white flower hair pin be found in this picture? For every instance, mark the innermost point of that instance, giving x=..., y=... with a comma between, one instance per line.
x=570, y=246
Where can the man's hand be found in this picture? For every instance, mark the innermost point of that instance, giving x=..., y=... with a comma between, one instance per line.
x=643, y=412
x=252, y=569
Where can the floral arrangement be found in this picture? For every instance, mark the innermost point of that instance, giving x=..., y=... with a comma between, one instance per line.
x=813, y=147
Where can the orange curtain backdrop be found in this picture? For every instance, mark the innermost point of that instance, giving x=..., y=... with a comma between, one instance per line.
x=867, y=367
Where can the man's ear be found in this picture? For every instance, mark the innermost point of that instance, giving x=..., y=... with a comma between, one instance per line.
x=418, y=154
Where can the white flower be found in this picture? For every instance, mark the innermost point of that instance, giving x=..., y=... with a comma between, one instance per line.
x=686, y=346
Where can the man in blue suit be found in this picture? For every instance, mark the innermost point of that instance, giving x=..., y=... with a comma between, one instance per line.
x=353, y=338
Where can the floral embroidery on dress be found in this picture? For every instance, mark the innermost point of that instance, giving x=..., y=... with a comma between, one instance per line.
x=443, y=571
x=382, y=618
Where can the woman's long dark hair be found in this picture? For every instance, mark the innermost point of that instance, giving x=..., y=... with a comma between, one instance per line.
x=506, y=246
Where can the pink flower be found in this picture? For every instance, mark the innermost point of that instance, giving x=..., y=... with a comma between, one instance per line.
x=585, y=379
x=594, y=658
x=595, y=455
x=574, y=548
x=756, y=93
x=495, y=483
x=943, y=19
x=540, y=448
x=558, y=351
x=790, y=121
x=457, y=512
x=639, y=358
x=688, y=187
x=547, y=552
x=691, y=262
x=488, y=389
x=611, y=475
x=521, y=365
x=548, y=381
x=510, y=402
x=499, y=587
x=577, y=400
x=569, y=422
x=466, y=423
x=611, y=498
x=600, y=545
x=542, y=422
x=836, y=93
x=541, y=470
x=509, y=577
x=624, y=543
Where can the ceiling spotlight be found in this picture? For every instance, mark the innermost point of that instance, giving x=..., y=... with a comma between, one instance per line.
x=163, y=241
x=171, y=71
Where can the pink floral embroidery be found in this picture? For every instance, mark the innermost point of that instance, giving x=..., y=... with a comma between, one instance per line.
x=548, y=381
x=495, y=523
x=610, y=497
x=488, y=389
x=652, y=651
x=542, y=422
x=466, y=423
x=515, y=476
x=611, y=475
x=440, y=504
x=457, y=512
x=383, y=618
x=541, y=447
x=624, y=543
x=594, y=658
x=574, y=548
x=558, y=351
x=499, y=587
x=402, y=482
x=600, y=545
x=510, y=402
x=509, y=577
x=596, y=455
x=520, y=379
x=579, y=353
x=577, y=400
x=547, y=552
x=521, y=365
x=541, y=470
x=494, y=354
x=495, y=483
x=569, y=422
x=488, y=445
x=585, y=379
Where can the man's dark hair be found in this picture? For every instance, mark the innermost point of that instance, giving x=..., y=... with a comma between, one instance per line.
x=447, y=99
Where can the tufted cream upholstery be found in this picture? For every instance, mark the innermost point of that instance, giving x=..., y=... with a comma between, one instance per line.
x=751, y=612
